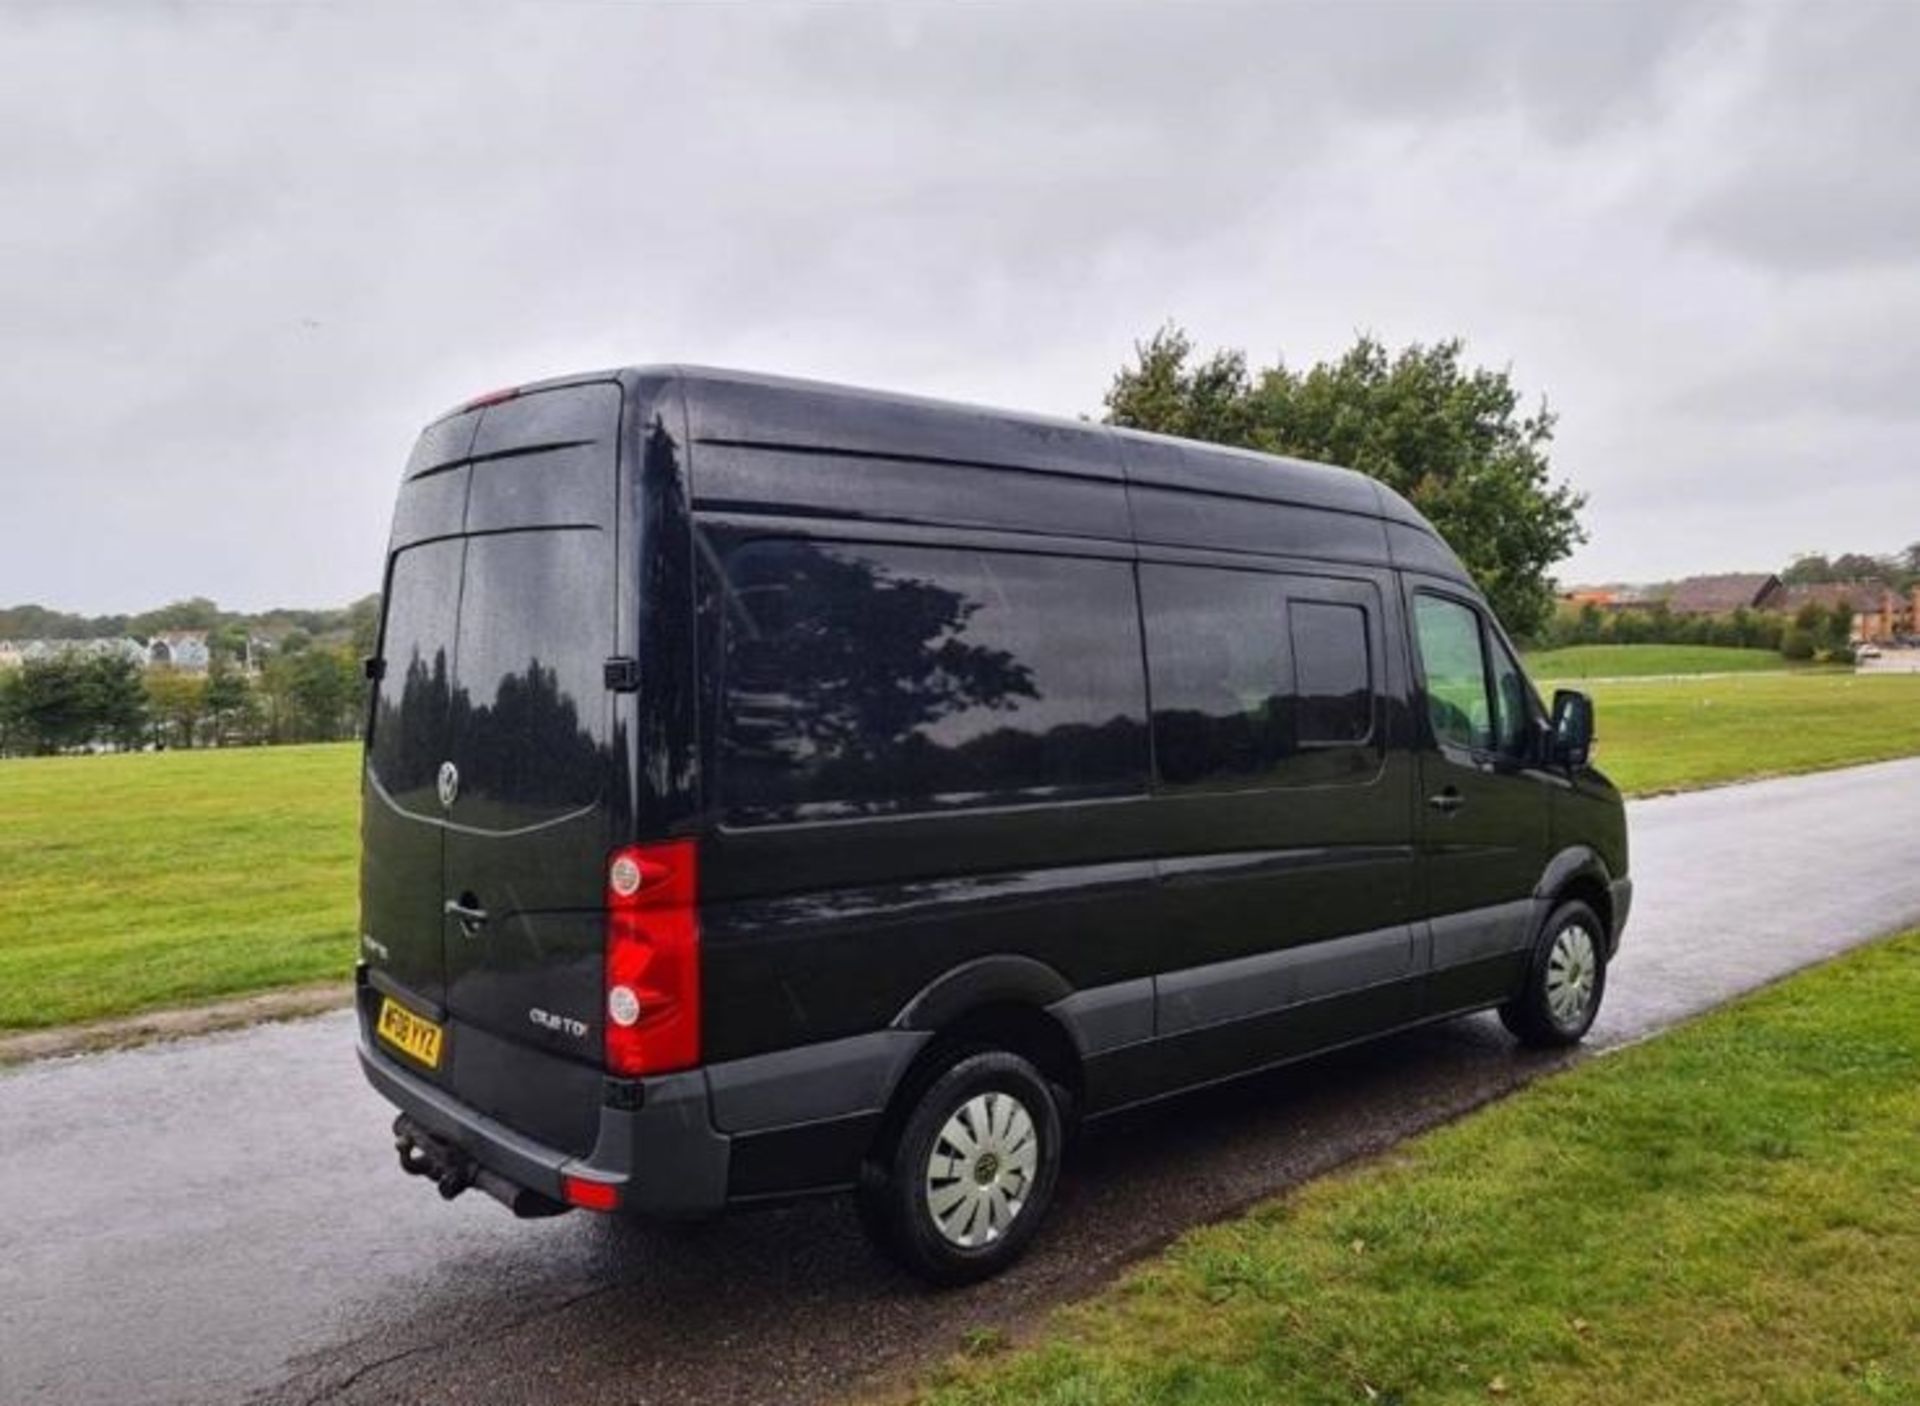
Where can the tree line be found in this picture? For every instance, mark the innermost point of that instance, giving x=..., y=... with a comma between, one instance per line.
x=80, y=702
x=1814, y=632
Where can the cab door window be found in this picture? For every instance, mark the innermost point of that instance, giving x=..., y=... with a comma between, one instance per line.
x=1453, y=659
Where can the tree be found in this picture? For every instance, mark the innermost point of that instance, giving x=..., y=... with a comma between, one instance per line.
x=1452, y=439
x=114, y=700
x=178, y=702
x=311, y=694
x=14, y=737
x=225, y=700
x=49, y=712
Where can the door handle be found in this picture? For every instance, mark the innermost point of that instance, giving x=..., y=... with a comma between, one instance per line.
x=1448, y=801
x=470, y=917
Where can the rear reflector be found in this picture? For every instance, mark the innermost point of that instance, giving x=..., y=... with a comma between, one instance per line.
x=652, y=991
x=590, y=1195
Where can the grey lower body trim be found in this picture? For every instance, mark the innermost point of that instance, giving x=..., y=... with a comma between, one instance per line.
x=664, y=1156
x=811, y=1083
x=1311, y=971
x=1107, y=1017
x=1481, y=934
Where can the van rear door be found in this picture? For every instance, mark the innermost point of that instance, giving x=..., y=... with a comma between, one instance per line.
x=529, y=735
x=401, y=836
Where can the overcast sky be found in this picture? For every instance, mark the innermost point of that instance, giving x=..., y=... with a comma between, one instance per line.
x=246, y=251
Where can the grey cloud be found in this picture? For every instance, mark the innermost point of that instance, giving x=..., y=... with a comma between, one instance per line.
x=1813, y=168
x=245, y=251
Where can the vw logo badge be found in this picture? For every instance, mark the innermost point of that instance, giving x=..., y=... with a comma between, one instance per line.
x=449, y=783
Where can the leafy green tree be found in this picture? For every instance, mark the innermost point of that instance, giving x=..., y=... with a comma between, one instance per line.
x=114, y=700
x=197, y=613
x=225, y=700
x=49, y=708
x=363, y=625
x=1452, y=438
x=311, y=694
x=177, y=702
x=1809, y=569
x=13, y=732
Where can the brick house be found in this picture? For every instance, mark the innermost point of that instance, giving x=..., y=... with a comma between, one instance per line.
x=1879, y=612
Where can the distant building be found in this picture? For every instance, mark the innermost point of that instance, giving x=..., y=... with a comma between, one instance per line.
x=184, y=650
x=1879, y=613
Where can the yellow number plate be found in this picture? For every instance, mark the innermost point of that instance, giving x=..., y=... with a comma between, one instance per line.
x=411, y=1034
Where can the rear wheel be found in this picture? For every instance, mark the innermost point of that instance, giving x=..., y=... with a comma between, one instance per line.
x=1566, y=978
x=958, y=1192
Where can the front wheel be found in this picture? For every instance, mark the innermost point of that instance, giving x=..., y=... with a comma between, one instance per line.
x=1566, y=978
x=961, y=1189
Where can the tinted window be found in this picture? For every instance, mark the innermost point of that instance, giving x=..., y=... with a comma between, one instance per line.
x=410, y=705
x=1333, y=673
x=1451, y=656
x=1512, y=713
x=1258, y=680
x=865, y=679
x=1217, y=651
x=536, y=627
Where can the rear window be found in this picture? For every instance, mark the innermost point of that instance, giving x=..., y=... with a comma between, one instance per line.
x=867, y=679
x=410, y=703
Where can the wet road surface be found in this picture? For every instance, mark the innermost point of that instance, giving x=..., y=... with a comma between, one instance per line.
x=220, y=1220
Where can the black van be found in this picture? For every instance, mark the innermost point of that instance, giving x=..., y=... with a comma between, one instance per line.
x=773, y=788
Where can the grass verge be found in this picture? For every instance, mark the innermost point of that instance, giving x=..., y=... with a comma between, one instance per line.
x=146, y=880
x=1619, y=661
x=1730, y=1213
x=1677, y=734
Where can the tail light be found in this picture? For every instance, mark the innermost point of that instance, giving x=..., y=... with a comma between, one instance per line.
x=653, y=959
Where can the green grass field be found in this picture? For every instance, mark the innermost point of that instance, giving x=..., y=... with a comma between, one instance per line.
x=1623, y=661
x=136, y=881
x=1664, y=735
x=1728, y=1214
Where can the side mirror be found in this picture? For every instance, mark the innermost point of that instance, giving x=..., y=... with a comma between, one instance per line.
x=1572, y=728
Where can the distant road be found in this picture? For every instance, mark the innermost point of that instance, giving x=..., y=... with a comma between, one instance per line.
x=221, y=1220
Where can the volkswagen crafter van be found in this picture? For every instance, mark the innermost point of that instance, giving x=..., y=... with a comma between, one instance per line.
x=773, y=788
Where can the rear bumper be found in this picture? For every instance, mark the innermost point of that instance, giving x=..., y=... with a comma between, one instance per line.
x=664, y=1156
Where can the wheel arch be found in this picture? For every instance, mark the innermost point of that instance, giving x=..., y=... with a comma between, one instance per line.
x=991, y=1003
x=1580, y=873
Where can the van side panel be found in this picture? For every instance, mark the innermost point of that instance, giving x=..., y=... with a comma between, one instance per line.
x=828, y=905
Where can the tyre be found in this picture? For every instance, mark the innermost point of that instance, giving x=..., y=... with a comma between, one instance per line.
x=957, y=1193
x=1566, y=979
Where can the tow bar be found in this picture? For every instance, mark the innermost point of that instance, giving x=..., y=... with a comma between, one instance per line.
x=452, y=1171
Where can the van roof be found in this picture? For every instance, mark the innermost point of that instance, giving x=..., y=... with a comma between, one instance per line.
x=759, y=411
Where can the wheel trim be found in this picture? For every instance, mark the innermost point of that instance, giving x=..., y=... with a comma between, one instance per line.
x=1573, y=973
x=981, y=1169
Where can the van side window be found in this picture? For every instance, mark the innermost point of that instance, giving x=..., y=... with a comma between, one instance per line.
x=1455, y=664
x=866, y=679
x=1333, y=673
x=1217, y=653
x=1257, y=679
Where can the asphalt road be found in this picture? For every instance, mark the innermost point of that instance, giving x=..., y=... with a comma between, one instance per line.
x=220, y=1220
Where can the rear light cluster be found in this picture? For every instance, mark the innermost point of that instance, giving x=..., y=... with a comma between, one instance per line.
x=653, y=959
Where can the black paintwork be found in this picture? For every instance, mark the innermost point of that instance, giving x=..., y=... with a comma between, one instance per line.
x=947, y=698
